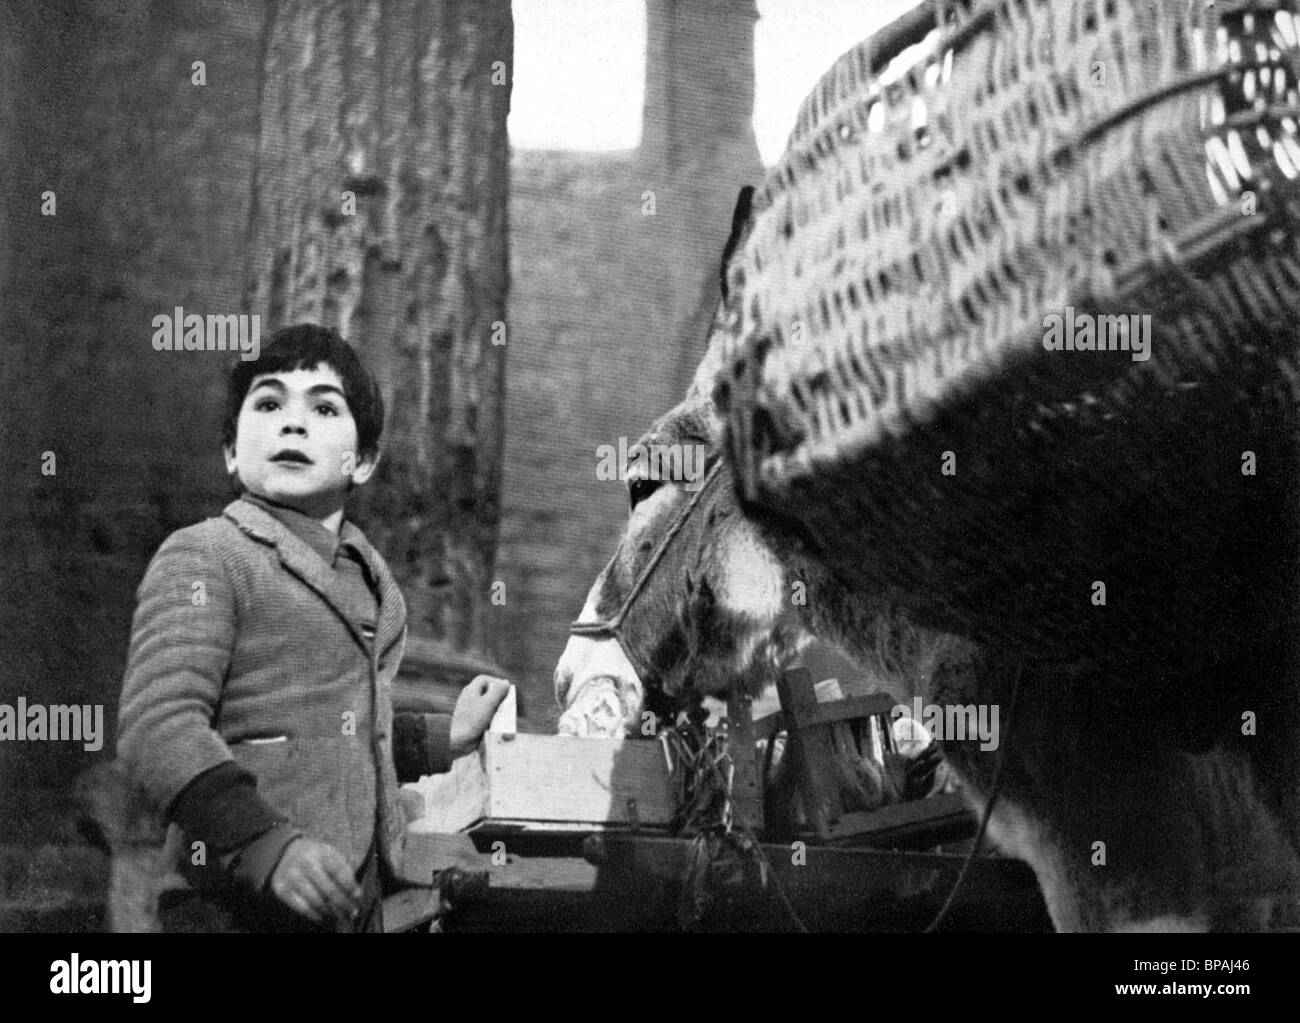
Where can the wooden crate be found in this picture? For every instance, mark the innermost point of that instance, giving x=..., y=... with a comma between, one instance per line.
x=550, y=781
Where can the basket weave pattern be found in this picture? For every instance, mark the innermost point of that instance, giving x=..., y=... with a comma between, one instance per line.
x=888, y=304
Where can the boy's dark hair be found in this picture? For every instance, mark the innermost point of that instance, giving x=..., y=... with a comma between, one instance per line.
x=306, y=346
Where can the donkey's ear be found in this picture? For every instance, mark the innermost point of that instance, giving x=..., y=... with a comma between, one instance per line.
x=739, y=220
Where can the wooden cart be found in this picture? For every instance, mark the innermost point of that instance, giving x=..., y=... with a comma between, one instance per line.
x=548, y=833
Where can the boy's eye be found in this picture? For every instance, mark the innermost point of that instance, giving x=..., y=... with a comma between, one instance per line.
x=265, y=404
x=327, y=409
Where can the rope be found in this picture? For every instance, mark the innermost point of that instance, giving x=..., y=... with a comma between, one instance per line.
x=695, y=798
x=994, y=789
x=695, y=806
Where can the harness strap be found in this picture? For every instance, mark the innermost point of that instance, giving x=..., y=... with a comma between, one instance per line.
x=611, y=626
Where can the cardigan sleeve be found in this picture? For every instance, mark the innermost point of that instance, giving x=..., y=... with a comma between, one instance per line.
x=421, y=745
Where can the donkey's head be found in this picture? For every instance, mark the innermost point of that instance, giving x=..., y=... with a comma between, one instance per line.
x=693, y=602
x=701, y=599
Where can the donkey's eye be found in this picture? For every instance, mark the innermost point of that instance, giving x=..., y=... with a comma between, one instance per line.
x=639, y=490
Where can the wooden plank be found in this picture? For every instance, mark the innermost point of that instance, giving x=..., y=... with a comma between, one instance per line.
x=941, y=818
x=637, y=882
x=810, y=751
x=798, y=698
x=823, y=871
x=410, y=907
x=426, y=853
x=557, y=778
x=849, y=889
x=842, y=739
x=849, y=708
x=747, y=777
x=876, y=740
x=504, y=827
x=828, y=690
x=768, y=726
x=543, y=874
x=832, y=890
x=567, y=778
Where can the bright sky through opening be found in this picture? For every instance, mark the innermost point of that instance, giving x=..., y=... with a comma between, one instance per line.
x=580, y=67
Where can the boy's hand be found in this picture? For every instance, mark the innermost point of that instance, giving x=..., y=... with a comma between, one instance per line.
x=314, y=880
x=477, y=703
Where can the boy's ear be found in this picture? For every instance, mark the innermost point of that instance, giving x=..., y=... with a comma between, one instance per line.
x=228, y=452
x=366, y=463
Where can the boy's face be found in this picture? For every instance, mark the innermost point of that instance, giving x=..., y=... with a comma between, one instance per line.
x=296, y=441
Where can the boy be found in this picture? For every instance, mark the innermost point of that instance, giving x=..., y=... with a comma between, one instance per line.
x=257, y=704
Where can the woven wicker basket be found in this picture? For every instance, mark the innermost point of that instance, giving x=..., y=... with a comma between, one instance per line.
x=952, y=182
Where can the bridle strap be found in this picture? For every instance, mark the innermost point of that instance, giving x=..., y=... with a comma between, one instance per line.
x=611, y=626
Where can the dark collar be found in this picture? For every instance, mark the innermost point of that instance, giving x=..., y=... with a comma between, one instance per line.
x=323, y=541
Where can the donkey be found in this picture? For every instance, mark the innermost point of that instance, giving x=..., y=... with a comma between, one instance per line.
x=1123, y=829
x=1121, y=832
x=1100, y=780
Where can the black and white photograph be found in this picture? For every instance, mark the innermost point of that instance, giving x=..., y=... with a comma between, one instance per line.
x=652, y=466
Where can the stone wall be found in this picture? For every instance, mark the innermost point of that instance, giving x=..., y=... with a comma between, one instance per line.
x=604, y=333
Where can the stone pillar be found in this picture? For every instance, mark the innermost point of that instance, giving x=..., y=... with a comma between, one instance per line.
x=380, y=202
x=698, y=147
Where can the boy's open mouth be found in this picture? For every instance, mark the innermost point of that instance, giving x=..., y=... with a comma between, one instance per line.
x=289, y=455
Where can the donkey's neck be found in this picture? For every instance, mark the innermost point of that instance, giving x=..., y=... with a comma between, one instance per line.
x=878, y=635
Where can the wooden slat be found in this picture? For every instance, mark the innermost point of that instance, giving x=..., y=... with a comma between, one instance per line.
x=426, y=853
x=566, y=778
x=543, y=873
x=810, y=751
x=747, y=779
x=798, y=697
x=550, y=778
x=767, y=727
x=832, y=889
x=842, y=739
x=410, y=907
x=849, y=708
x=825, y=873
x=504, y=827
x=941, y=818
